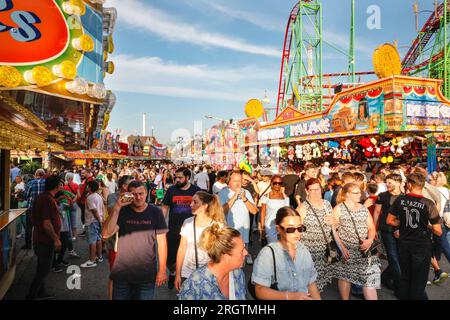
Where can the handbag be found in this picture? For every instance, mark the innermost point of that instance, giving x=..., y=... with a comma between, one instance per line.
x=375, y=244
x=251, y=287
x=332, y=254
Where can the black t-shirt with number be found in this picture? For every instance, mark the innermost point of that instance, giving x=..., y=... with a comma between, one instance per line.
x=415, y=212
x=386, y=199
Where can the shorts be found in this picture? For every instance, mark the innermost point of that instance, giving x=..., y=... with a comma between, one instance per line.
x=94, y=232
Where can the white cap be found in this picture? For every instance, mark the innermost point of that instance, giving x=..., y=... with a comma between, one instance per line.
x=326, y=164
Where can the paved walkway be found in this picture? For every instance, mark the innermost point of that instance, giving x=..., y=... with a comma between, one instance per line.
x=94, y=280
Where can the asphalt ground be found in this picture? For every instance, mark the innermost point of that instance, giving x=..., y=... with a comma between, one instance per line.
x=94, y=281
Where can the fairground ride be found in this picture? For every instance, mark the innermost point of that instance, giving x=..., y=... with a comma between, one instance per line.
x=303, y=84
x=429, y=55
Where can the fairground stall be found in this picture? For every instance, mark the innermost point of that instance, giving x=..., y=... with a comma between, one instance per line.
x=395, y=119
x=52, y=96
x=221, y=145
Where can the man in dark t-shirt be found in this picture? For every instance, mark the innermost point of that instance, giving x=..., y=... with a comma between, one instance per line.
x=140, y=227
x=391, y=275
x=47, y=225
x=290, y=181
x=413, y=213
x=177, y=204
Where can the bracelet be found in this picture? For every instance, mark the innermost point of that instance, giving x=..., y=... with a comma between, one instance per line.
x=287, y=295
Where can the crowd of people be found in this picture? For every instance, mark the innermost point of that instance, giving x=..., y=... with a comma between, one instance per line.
x=192, y=227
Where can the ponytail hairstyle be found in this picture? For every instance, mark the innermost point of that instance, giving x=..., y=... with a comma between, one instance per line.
x=346, y=189
x=214, y=209
x=217, y=240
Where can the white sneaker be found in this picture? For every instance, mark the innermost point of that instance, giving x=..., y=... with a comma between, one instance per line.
x=88, y=264
x=248, y=259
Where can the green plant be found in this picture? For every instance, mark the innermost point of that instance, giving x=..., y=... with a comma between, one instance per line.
x=30, y=167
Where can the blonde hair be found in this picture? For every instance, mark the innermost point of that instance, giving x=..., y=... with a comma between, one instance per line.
x=345, y=189
x=217, y=241
x=214, y=209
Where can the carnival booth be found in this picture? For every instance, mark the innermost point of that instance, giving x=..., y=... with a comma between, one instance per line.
x=222, y=147
x=52, y=98
x=387, y=120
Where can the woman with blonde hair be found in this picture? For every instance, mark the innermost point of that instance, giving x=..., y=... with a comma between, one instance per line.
x=222, y=278
x=207, y=210
x=356, y=233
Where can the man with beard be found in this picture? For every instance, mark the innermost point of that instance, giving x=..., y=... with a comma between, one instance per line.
x=177, y=203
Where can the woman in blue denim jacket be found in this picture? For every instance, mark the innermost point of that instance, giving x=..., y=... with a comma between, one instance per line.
x=222, y=278
x=295, y=271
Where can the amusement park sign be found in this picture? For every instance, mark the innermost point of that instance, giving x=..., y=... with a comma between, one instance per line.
x=428, y=113
x=310, y=127
x=271, y=134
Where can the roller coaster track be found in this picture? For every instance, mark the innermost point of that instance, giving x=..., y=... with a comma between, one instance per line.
x=430, y=28
x=285, y=56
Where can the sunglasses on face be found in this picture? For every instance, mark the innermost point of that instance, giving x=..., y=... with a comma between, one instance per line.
x=277, y=183
x=300, y=229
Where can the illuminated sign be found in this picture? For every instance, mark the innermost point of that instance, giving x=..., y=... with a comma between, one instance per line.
x=311, y=127
x=32, y=31
x=427, y=114
x=271, y=134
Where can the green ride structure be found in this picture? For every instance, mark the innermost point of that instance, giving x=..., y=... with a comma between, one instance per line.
x=304, y=86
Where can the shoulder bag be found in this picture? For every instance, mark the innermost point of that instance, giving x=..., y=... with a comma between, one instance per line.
x=195, y=244
x=375, y=244
x=274, y=285
x=333, y=253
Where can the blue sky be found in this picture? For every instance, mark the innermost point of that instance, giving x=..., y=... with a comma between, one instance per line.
x=180, y=60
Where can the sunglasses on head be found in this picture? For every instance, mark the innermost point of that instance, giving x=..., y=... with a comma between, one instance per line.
x=300, y=229
x=279, y=183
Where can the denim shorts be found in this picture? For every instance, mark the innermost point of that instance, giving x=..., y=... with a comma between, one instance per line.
x=94, y=232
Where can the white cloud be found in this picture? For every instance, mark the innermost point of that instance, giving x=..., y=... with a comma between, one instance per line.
x=152, y=75
x=256, y=19
x=170, y=28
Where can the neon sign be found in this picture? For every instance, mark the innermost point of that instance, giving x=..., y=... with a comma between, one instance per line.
x=26, y=30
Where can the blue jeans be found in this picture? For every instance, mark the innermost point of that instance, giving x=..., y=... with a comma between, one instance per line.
x=123, y=290
x=393, y=271
x=444, y=242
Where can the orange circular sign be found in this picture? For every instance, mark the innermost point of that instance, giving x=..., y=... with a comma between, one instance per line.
x=31, y=32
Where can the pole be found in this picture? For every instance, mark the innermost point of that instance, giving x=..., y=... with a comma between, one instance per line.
x=446, y=53
x=143, y=124
x=351, y=61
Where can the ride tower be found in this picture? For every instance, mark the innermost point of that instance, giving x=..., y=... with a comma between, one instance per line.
x=429, y=55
